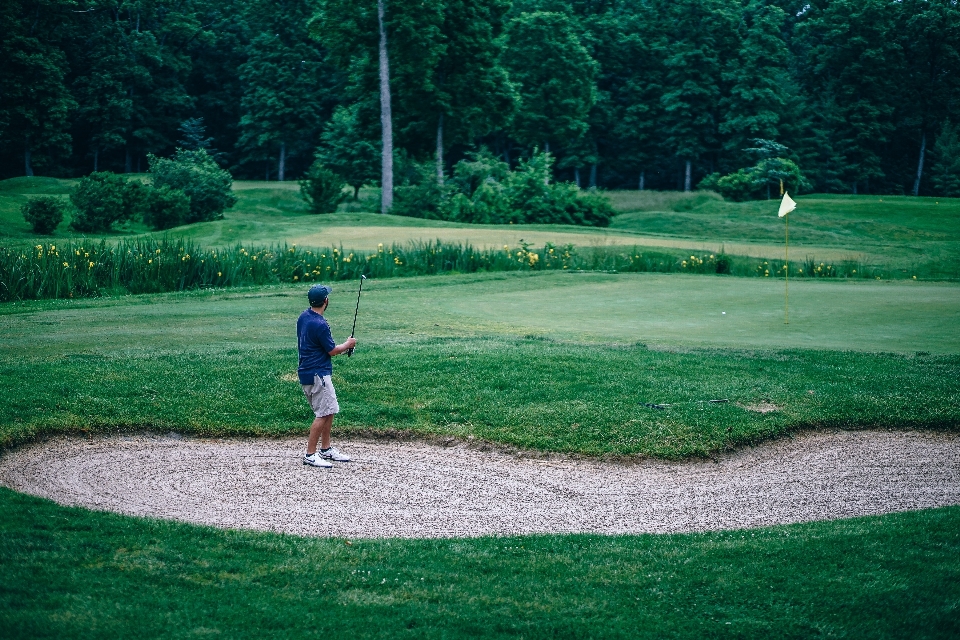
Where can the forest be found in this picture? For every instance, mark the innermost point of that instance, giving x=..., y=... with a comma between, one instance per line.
x=862, y=95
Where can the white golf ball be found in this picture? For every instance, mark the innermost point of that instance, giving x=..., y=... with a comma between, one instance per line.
x=723, y=313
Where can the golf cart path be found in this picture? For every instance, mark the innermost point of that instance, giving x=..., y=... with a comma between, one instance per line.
x=417, y=489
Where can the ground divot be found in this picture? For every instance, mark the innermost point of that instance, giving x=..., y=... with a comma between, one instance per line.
x=415, y=489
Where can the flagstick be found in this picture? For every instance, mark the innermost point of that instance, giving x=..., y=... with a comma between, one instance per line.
x=786, y=272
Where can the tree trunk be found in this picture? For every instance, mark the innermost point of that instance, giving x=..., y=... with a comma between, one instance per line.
x=440, y=150
x=386, y=118
x=593, y=176
x=127, y=161
x=576, y=176
x=642, y=179
x=356, y=193
x=282, y=163
x=687, y=177
x=923, y=151
x=854, y=188
x=546, y=146
x=96, y=157
x=27, y=167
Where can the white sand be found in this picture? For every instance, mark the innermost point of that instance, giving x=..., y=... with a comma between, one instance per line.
x=415, y=489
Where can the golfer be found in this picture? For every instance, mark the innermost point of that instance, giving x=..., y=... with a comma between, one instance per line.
x=317, y=346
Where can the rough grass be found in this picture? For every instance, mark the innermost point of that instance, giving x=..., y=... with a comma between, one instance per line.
x=76, y=573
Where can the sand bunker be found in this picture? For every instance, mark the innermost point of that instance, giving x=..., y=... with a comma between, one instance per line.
x=415, y=489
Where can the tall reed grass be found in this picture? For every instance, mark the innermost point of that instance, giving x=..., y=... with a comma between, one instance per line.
x=81, y=268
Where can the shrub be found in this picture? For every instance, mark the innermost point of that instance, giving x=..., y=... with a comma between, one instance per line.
x=165, y=208
x=322, y=189
x=195, y=173
x=103, y=198
x=420, y=195
x=43, y=214
x=738, y=186
x=483, y=190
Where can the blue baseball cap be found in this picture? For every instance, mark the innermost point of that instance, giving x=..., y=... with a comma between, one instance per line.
x=317, y=294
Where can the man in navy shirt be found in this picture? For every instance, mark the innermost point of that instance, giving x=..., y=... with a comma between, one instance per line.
x=317, y=346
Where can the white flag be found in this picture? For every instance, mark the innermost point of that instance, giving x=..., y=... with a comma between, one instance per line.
x=786, y=205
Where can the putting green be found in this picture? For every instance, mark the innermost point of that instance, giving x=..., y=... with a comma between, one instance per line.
x=657, y=309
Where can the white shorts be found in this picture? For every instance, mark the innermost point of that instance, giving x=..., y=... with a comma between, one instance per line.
x=321, y=396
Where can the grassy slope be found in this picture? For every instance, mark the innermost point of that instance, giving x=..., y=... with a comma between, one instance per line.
x=80, y=574
x=468, y=356
x=903, y=233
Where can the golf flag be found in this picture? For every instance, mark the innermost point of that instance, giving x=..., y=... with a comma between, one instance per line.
x=786, y=205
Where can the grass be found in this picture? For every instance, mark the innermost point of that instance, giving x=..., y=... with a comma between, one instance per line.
x=912, y=236
x=76, y=573
x=474, y=356
x=555, y=361
x=909, y=233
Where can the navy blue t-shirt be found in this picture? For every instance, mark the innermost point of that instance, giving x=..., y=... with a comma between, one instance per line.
x=315, y=343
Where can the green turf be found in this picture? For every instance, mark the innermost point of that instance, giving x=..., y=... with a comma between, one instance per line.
x=456, y=356
x=79, y=574
x=908, y=232
x=909, y=235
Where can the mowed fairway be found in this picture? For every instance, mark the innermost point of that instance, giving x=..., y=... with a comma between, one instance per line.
x=511, y=358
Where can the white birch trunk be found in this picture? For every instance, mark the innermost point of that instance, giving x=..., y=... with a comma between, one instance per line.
x=440, y=151
x=282, y=163
x=386, y=117
x=642, y=179
x=96, y=158
x=923, y=151
x=687, y=177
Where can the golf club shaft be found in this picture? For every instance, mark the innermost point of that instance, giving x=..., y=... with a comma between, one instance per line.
x=355, y=312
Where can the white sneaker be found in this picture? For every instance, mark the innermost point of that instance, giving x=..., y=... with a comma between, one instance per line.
x=314, y=460
x=333, y=454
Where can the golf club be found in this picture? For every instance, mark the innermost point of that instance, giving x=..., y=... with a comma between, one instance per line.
x=355, y=312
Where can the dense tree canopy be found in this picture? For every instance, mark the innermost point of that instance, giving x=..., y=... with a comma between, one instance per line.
x=863, y=95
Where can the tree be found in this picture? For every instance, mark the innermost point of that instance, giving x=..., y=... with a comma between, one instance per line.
x=848, y=67
x=288, y=91
x=929, y=34
x=345, y=150
x=700, y=37
x=946, y=168
x=35, y=99
x=474, y=96
x=554, y=75
x=758, y=79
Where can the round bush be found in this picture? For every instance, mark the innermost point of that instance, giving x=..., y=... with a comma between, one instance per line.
x=196, y=173
x=101, y=199
x=43, y=214
x=165, y=208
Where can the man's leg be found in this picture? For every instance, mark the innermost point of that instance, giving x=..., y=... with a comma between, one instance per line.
x=319, y=432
